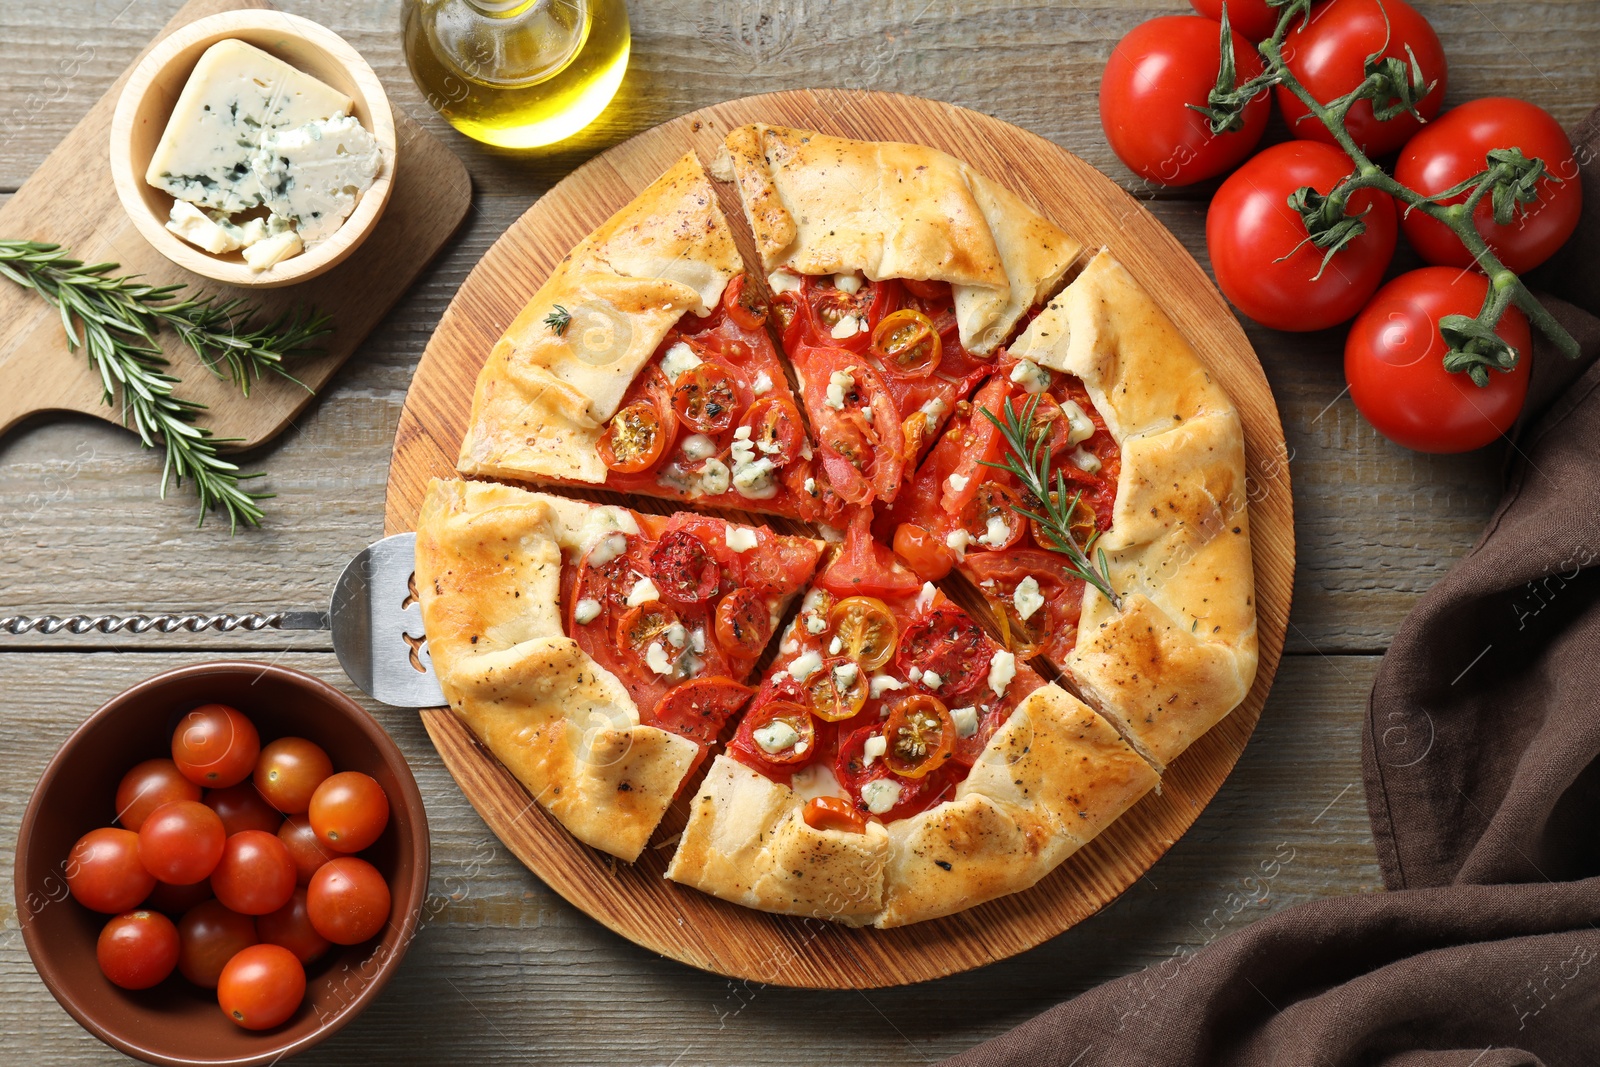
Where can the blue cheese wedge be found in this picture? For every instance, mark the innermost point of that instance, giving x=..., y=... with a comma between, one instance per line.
x=236, y=95
x=315, y=173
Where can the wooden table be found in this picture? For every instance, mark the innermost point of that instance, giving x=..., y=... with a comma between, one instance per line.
x=507, y=971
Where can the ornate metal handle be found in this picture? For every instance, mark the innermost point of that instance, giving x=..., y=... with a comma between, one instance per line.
x=192, y=622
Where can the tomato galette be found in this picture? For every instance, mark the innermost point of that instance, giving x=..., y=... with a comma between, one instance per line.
x=597, y=651
x=926, y=374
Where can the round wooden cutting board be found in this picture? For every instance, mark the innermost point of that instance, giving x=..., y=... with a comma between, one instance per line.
x=635, y=900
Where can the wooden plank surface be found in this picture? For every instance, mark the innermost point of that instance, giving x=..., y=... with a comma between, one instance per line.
x=508, y=973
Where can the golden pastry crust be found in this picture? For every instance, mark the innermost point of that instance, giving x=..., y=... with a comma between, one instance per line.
x=489, y=579
x=543, y=398
x=1050, y=779
x=829, y=205
x=1181, y=653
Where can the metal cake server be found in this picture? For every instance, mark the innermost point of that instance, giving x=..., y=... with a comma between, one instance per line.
x=373, y=615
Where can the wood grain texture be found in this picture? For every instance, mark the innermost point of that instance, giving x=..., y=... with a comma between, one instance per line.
x=71, y=200
x=506, y=972
x=714, y=935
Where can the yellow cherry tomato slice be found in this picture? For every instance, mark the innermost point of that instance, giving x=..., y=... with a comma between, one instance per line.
x=838, y=689
x=921, y=736
x=866, y=630
x=634, y=439
x=908, y=344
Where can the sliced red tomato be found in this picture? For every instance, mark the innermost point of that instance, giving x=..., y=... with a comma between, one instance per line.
x=853, y=770
x=779, y=566
x=742, y=305
x=921, y=736
x=980, y=442
x=744, y=625
x=864, y=432
x=698, y=709
x=684, y=569
x=863, y=567
x=833, y=813
x=635, y=439
x=924, y=551
x=707, y=398
x=1052, y=628
x=947, y=642
x=776, y=738
x=775, y=429
x=838, y=689
x=991, y=519
x=639, y=627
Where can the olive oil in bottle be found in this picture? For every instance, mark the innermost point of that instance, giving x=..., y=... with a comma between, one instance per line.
x=517, y=73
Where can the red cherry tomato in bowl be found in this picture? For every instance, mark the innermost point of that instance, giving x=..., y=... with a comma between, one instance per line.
x=215, y=746
x=180, y=843
x=1328, y=54
x=1154, y=74
x=1253, y=20
x=348, y=901
x=289, y=771
x=256, y=873
x=1258, y=246
x=209, y=936
x=1454, y=148
x=261, y=987
x=349, y=811
x=138, y=950
x=104, y=872
x=148, y=786
x=1394, y=362
x=242, y=807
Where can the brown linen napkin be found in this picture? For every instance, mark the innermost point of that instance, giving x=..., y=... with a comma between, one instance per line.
x=1483, y=785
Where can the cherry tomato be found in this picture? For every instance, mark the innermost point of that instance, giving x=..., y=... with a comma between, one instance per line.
x=177, y=899
x=305, y=848
x=991, y=519
x=1254, y=20
x=242, y=807
x=907, y=343
x=290, y=926
x=1454, y=148
x=698, y=709
x=1051, y=628
x=744, y=625
x=1258, y=246
x=866, y=629
x=1082, y=524
x=853, y=770
x=348, y=901
x=1328, y=54
x=180, y=843
x=766, y=732
x=948, y=643
x=684, y=569
x=255, y=875
x=931, y=291
x=215, y=746
x=832, y=813
x=289, y=771
x=838, y=689
x=1394, y=362
x=137, y=950
x=349, y=811
x=261, y=987
x=742, y=305
x=646, y=624
x=706, y=398
x=104, y=872
x=148, y=786
x=634, y=440
x=926, y=554
x=210, y=935
x=921, y=736
x=775, y=429
x=1153, y=76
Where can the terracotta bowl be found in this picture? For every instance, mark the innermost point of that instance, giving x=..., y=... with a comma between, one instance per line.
x=152, y=91
x=178, y=1023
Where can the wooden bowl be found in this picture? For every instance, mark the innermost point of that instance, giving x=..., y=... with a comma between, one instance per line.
x=152, y=91
x=176, y=1022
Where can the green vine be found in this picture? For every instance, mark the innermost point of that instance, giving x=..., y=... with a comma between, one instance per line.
x=1394, y=87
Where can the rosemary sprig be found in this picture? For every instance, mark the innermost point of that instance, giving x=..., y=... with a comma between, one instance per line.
x=558, y=320
x=1028, y=460
x=119, y=317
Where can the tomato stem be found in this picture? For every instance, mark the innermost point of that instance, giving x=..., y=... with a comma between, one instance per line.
x=1509, y=179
